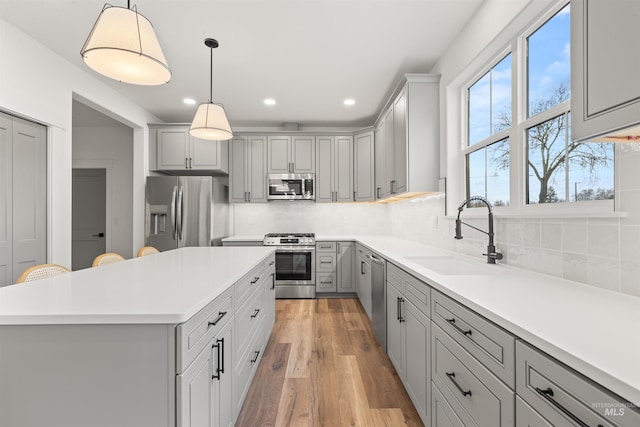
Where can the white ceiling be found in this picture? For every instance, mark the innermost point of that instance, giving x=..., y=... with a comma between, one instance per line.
x=309, y=55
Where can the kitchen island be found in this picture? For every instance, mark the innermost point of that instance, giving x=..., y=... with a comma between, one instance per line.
x=115, y=345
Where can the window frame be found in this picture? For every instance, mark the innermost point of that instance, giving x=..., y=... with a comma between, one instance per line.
x=517, y=134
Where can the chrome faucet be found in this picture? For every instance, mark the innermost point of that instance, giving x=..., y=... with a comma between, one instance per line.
x=491, y=254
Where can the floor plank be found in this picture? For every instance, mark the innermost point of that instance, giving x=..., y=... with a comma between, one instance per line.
x=323, y=368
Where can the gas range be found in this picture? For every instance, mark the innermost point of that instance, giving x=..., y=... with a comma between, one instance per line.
x=289, y=239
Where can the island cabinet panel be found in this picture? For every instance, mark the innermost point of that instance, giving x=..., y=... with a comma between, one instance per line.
x=87, y=375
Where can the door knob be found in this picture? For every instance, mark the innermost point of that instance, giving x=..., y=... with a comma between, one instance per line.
x=98, y=235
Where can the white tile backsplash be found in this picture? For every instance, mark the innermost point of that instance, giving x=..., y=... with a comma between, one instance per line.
x=603, y=252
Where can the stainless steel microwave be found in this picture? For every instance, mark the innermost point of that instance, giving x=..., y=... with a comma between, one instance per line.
x=291, y=186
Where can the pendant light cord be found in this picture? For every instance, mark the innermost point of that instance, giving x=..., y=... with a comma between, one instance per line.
x=211, y=75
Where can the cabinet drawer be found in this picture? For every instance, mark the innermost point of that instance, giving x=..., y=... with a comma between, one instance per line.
x=560, y=395
x=326, y=282
x=249, y=281
x=527, y=417
x=325, y=246
x=250, y=316
x=442, y=415
x=326, y=262
x=194, y=334
x=414, y=290
x=476, y=395
x=490, y=344
x=246, y=366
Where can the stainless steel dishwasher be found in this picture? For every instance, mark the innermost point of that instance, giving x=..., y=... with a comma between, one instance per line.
x=379, y=298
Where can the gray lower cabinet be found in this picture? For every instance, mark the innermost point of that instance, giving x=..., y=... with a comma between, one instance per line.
x=363, y=281
x=409, y=341
x=526, y=416
x=345, y=281
x=334, y=267
x=565, y=398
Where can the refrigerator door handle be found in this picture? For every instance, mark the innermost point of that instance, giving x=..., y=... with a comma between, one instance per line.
x=174, y=212
x=179, y=213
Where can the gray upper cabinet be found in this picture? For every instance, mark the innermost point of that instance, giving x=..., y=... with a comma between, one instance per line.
x=334, y=169
x=247, y=176
x=408, y=137
x=179, y=152
x=363, y=167
x=605, y=89
x=291, y=154
x=23, y=197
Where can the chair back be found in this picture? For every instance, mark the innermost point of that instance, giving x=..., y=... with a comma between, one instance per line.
x=41, y=271
x=147, y=250
x=107, y=258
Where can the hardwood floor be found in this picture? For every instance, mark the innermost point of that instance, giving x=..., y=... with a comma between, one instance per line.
x=323, y=367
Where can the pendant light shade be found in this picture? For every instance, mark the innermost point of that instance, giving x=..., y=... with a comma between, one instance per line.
x=123, y=46
x=211, y=120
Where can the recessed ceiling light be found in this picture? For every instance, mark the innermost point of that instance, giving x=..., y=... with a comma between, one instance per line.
x=189, y=101
x=349, y=101
x=270, y=101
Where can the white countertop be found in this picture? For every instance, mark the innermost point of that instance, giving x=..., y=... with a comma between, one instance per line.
x=168, y=287
x=595, y=331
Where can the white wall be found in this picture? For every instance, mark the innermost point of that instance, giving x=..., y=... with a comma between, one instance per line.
x=39, y=85
x=112, y=146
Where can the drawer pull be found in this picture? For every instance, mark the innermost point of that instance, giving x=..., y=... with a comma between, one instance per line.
x=400, y=301
x=548, y=395
x=271, y=263
x=221, y=314
x=220, y=369
x=255, y=313
x=255, y=357
x=273, y=281
x=451, y=376
x=255, y=280
x=452, y=322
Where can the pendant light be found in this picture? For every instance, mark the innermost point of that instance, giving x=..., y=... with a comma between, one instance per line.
x=211, y=121
x=123, y=46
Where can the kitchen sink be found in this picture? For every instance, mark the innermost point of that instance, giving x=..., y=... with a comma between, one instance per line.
x=449, y=266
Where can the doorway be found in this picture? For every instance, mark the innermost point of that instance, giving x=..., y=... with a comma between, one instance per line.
x=88, y=232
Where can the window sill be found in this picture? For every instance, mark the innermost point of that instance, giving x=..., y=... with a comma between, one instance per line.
x=579, y=210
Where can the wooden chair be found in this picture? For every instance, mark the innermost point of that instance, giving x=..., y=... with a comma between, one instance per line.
x=41, y=271
x=107, y=258
x=147, y=250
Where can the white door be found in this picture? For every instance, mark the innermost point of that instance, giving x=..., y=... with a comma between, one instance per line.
x=88, y=216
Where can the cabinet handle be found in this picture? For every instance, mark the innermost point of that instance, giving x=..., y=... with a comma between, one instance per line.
x=271, y=263
x=326, y=262
x=378, y=192
x=190, y=163
x=452, y=322
x=391, y=187
x=248, y=196
x=186, y=163
x=255, y=358
x=255, y=280
x=255, y=313
x=400, y=301
x=220, y=368
x=221, y=314
x=361, y=267
x=273, y=281
x=548, y=395
x=451, y=376
x=354, y=196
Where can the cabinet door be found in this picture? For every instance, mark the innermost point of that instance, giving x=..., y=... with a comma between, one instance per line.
x=395, y=330
x=303, y=154
x=238, y=179
x=195, y=392
x=379, y=155
x=208, y=154
x=346, y=256
x=222, y=393
x=389, y=153
x=364, y=181
x=417, y=354
x=278, y=158
x=400, y=144
x=256, y=169
x=343, y=169
x=173, y=148
x=325, y=282
x=325, y=153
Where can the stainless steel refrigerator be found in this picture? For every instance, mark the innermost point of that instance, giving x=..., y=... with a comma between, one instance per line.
x=185, y=211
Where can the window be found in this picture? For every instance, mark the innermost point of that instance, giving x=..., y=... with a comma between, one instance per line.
x=536, y=132
x=489, y=117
